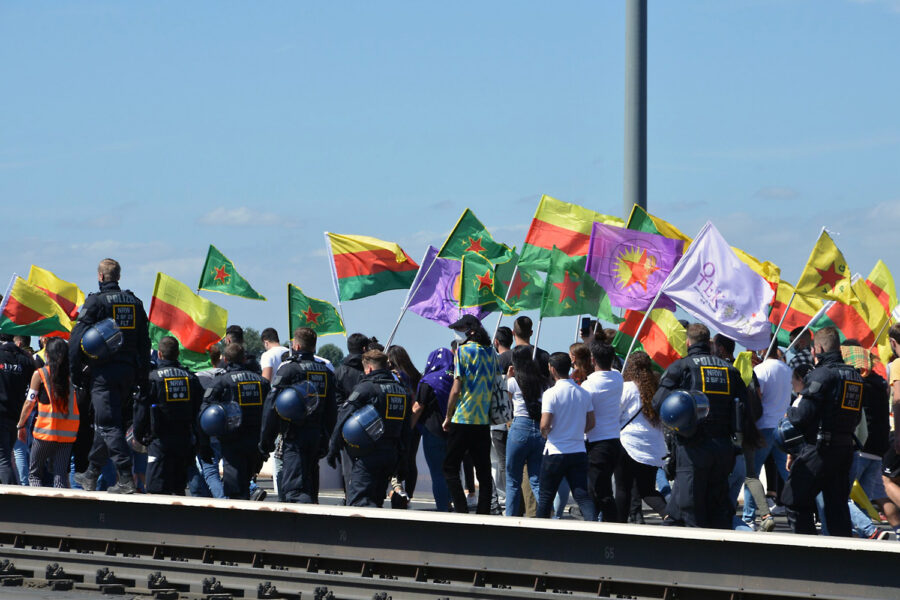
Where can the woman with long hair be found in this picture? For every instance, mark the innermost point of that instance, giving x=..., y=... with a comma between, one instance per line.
x=56, y=425
x=641, y=436
x=524, y=444
x=407, y=373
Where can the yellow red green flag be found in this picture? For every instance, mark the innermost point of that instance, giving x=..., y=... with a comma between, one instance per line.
x=826, y=274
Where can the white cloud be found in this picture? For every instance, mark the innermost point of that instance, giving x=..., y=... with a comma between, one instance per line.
x=184, y=269
x=243, y=216
x=500, y=231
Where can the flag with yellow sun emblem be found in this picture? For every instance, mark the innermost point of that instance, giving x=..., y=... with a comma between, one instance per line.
x=632, y=265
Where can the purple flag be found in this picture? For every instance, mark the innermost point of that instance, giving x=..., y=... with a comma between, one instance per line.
x=632, y=265
x=435, y=291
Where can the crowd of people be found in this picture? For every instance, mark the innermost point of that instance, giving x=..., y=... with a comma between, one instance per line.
x=584, y=422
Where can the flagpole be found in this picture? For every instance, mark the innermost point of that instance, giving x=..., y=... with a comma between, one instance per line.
x=875, y=343
x=537, y=336
x=812, y=321
x=638, y=332
x=659, y=293
x=780, y=321
x=330, y=251
x=506, y=298
x=410, y=294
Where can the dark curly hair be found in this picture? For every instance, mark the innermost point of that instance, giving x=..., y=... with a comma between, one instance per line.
x=640, y=370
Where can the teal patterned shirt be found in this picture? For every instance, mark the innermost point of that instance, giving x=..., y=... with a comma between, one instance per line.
x=476, y=366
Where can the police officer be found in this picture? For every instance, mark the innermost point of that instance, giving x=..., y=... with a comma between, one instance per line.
x=16, y=369
x=346, y=376
x=240, y=453
x=703, y=460
x=827, y=413
x=164, y=420
x=235, y=335
x=306, y=440
x=371, y=473
x=111, y=382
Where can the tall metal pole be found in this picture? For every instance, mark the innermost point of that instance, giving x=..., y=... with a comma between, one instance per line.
x=635, y=105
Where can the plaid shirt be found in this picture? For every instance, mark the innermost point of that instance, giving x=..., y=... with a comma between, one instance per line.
x=858, y=357
x=801, y=357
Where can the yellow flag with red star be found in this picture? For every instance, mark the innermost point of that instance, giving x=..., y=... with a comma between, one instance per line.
x=318, y=315
x=826, y=274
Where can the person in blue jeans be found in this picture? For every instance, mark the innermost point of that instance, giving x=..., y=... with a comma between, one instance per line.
x=210, y=470
x=524, y=443
x=567, y=413
x=428, y=413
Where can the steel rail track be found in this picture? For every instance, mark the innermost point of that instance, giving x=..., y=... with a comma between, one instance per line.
x=366, y=553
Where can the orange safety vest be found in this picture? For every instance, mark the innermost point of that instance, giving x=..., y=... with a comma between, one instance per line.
x=52, y=426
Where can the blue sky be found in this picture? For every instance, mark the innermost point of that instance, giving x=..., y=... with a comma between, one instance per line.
x=147, y=131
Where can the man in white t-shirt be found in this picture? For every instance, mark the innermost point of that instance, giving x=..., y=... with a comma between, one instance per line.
x=271, y=358
x=774, y=378
x=603, y=446
x=566, y=415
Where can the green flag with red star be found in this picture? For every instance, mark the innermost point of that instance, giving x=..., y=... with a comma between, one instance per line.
x=476, y=285
x=318, y=315
x=470, y=235
x=521, y=287
x=569, y=290
x=219, y=275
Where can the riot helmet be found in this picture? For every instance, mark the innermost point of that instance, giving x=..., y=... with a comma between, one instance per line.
x=219, y=419
x=102, y=339
x=362, y=430
x=787, y=437
x=682, y=411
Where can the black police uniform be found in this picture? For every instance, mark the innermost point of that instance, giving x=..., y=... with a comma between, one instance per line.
x=826, y=415
x=111, y=382
x=347, y=375
x=165, y=417
x=371, y=473
x=16, y=369
x=240, y=452
x=303, y=444
x=704, y=460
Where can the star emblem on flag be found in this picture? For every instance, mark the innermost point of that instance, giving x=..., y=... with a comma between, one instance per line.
x=485, y=281
x=829, y=277
x=567, y=288
x=311, y=317
x=518, y=286
x=635, y=266
x=475, y=245
x=221, y=274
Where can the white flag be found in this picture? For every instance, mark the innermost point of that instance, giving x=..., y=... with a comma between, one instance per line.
x=716, y=287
